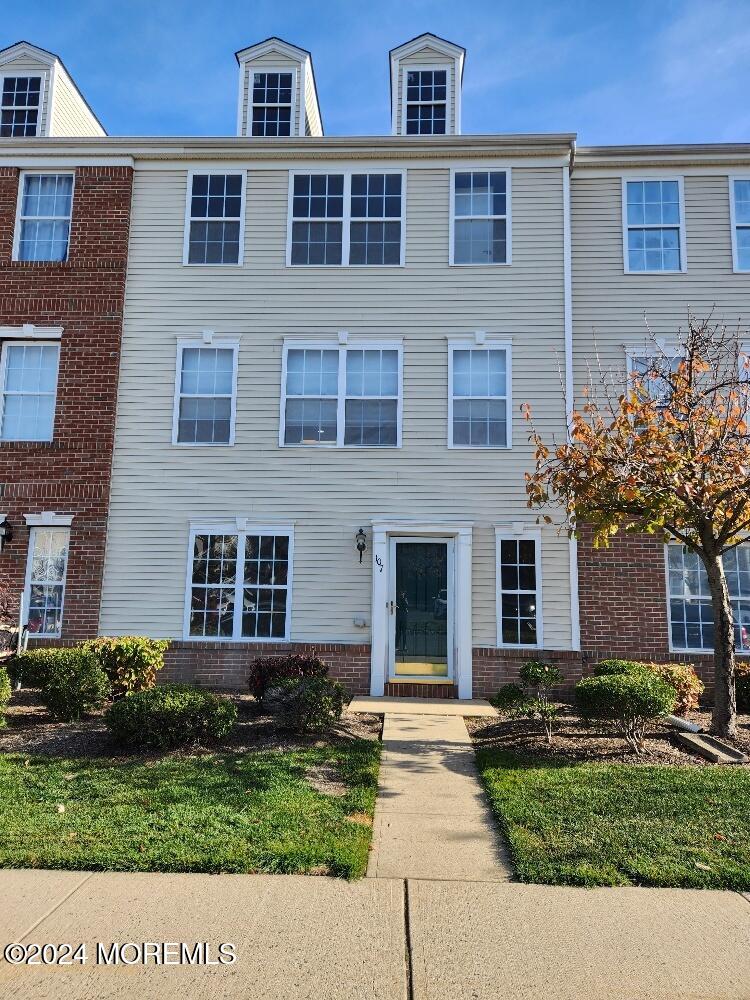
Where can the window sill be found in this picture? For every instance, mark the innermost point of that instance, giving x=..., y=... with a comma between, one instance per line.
x=234, y=642
x=493, y=263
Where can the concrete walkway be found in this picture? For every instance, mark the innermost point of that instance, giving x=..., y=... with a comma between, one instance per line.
x=432, y=820
x=305, y=938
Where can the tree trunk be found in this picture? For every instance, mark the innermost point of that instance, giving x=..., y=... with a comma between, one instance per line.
x=724, y=718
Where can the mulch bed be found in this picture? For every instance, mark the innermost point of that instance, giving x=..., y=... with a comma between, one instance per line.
x=30, y=729
x=574, y=742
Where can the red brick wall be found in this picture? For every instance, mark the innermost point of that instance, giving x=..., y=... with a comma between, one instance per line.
x=84, y=295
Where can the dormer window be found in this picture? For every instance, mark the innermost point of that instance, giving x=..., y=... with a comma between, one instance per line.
x=272, y=103
x=19, y=110
x=426, y=97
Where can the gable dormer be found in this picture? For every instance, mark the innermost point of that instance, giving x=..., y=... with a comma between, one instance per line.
x=277, y=94
x=38, y=96
x=426, y=76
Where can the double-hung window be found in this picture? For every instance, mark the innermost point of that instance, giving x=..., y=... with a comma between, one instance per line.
x=45, y=579
x=654, y=231
x=519, y=605
x=44, y=213
x=481, y=215
x=28, y=377
x=641, y=365
x=740, y=203
x=205, y=396
x=214, y=218
x=426, y=101
x=20, y=105
x=272, y=104
x=479, y=395
x=239, y=583
x=347, y=218
x=691, y=615
x=342, y=396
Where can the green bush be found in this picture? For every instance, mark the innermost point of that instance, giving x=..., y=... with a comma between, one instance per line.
x=5, y=692
x=681, y=677
x=170, y=716
x=267, y=671
x=509, y=699
x=742, y=684
x=531, y=698
x=539, y=675
x=73, y=683
x=306, y=704
x=32, y=667
x=630, y=700
x=131, y=662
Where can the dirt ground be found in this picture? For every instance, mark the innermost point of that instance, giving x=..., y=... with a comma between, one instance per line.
x=574, y=742
x=30, y=729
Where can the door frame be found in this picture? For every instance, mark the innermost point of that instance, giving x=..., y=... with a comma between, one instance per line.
x=393, y=542
x=461, y=533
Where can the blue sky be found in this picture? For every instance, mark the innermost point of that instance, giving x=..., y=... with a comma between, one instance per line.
x=624, y=71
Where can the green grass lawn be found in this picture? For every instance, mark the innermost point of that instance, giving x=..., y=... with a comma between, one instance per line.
x=613, y=824
x=224, y=812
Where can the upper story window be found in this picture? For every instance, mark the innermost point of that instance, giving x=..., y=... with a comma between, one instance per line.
x=346, y=218
x=44, y=213
x=20, y=105
x=205, y=400
x=740, y=202
x=28, y=375
x=345, y=396
x=214, y=218
x=426, y=101
x=272, y=104
x=654, y=235
x=481, y=202
x=479, y=397
x=691, y=615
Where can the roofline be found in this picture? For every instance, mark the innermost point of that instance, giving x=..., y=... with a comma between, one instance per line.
x=56, y=57
x=422, y=34
x=686, y=153
x=275, y=38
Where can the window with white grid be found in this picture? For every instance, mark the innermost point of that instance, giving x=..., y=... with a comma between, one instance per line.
x=375, y=227
x=653, y=225
x=272, y=104
x=518, y=573
x=45, y=579
x=480, y=217
x=426, y=101
x=214, y=219
x=20, y=106
x=691, y=614
x=741, y=220
x=46, y=205
x=28, y=375
x=479, y=414
x=205, y=403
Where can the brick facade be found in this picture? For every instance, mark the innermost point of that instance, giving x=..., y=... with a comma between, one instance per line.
x=84, y=295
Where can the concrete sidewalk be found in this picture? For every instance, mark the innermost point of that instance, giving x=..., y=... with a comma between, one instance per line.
x=431, y=816
x=304, y=938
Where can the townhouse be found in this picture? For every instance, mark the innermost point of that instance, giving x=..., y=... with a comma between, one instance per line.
x=326, y=343
x=63, y=253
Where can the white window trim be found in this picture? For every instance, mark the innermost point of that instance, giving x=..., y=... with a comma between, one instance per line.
x=212, y=172
x=221, y=344
x=347, y=216
x=33, y=528
x=449, y=66
x=519, y=532
x=733, y=222
x=41, y=130
x=3, y=366
x=473, y=344
x=635, y=178
x=19, y=202
x=496, y=168
x=293, y=126
x=331, y=345
x=242, y=528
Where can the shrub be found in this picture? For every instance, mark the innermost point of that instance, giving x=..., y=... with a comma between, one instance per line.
x=539, y=675
x=5, y=692
x=530, y=698
x=73, y=683
x=686, y=684
x=267, y=671
x=170, y=716
x=130, y=662
x=307, y=704
x=631, y=701
x=32, y=667
x=742, y=684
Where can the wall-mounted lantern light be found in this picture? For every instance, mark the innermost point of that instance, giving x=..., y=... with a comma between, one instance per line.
x=6, y=532
x=361, y=539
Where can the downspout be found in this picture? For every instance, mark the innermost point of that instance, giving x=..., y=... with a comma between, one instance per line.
x=575, y=619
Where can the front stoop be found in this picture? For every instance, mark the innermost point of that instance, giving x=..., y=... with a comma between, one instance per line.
x=464, y=707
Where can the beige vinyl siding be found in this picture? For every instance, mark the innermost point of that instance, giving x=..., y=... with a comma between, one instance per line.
x=427, y=57
x=313, y=123
x=609, y=305
x=328, y=493
x=70, y=114
x=274, y=61
x=24, y=66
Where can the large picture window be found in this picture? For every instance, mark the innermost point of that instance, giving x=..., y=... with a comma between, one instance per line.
x=205, y=397
x=28, y=375
x=479, y=396
x=45, y=579
x=44, y=214
x=342, y=396
x=691, y=614
x=214, y=224
x=519, y=609
x=239, y=584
